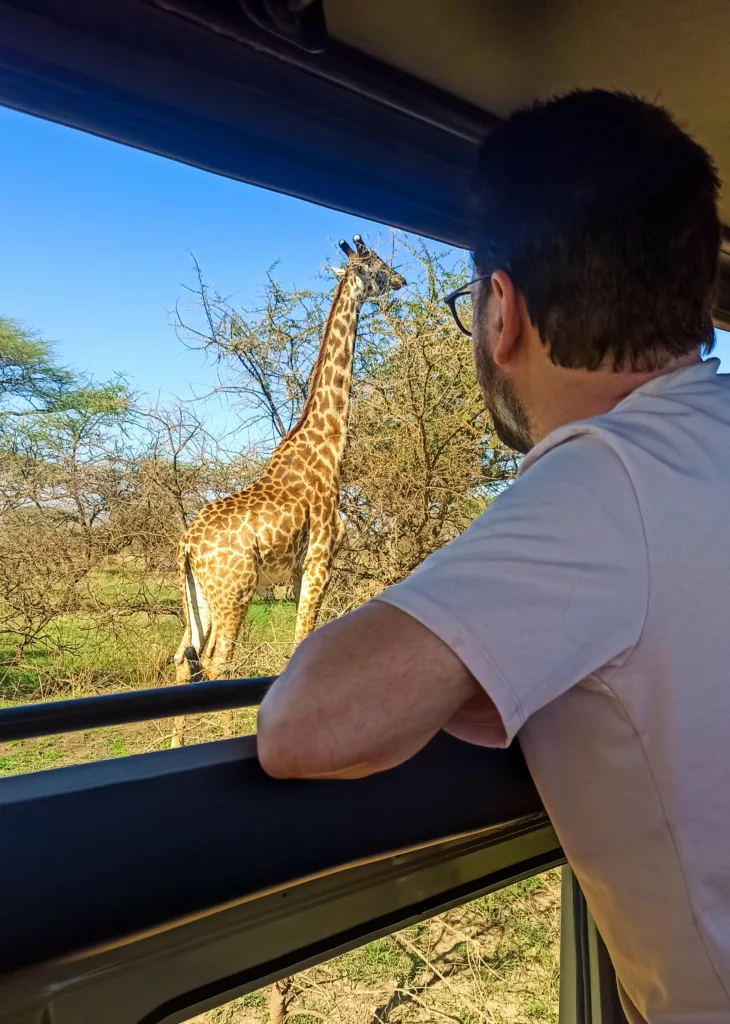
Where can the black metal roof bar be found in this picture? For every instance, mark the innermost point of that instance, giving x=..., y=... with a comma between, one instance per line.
x=52, y=717
x=344, y=66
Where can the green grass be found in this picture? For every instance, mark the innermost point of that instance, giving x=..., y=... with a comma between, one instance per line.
x=22, y=756
x=252, y=999
x=115, y=649
x=118, y=586
x=89, y=654
x=376, y=962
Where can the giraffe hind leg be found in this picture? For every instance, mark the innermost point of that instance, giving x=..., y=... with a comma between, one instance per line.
x=197, y=627
x=218, y=660
x=194, y=668
x=196, y=637
x=189, y=671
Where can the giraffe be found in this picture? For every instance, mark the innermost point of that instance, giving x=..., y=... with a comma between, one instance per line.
x=286, y=526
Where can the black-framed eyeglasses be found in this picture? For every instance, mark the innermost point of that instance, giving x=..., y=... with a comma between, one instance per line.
x=459, y=302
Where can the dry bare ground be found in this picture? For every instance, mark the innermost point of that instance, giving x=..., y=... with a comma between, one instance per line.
x=494, y=960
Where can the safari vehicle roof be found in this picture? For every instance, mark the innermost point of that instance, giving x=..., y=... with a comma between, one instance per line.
x=374, y=108
x=500, y=55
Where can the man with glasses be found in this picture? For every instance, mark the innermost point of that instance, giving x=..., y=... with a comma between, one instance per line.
x=586, y=610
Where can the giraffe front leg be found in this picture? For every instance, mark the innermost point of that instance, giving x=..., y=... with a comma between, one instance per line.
x=297, y=585
x=341, y=534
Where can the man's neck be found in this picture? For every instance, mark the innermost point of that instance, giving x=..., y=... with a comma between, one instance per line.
x=573, y=395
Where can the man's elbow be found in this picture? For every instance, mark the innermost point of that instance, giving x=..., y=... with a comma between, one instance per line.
x=285, y=747
x=274, y=750
x=280, y=761
x=283, y=757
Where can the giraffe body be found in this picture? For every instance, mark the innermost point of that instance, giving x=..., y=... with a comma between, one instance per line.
x=286, y=526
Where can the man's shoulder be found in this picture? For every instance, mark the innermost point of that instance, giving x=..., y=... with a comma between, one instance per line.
x=582, y=450
x=668, y=415
x=572, y=479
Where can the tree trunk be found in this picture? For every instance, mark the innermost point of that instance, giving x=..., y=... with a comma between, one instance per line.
x=278, y=1001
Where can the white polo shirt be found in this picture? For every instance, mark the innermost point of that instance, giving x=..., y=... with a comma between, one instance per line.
x=592, y=603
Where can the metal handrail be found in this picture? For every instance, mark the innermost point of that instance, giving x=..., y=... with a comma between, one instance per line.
x=49, y=718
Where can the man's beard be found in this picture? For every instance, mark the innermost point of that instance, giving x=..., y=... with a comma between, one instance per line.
x=509, y=417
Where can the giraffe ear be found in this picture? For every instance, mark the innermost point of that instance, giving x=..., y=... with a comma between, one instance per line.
x=339, y=272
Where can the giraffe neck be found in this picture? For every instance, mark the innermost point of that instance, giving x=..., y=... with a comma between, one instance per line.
x=323, y=423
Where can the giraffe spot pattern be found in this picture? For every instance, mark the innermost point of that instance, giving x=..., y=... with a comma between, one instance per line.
x=287, y=521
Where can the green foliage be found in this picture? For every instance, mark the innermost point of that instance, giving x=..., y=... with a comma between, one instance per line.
x=33, y=383
x=422, y=459
x=27, y=369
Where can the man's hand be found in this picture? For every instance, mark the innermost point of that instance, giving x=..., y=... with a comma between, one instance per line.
x=360, y=695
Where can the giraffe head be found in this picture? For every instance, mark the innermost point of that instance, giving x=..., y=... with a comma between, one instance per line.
x=373, y=276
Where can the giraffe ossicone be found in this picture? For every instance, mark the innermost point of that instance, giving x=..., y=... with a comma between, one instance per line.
x=286, y=526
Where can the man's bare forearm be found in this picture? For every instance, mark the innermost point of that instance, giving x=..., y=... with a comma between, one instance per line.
x=361, y=695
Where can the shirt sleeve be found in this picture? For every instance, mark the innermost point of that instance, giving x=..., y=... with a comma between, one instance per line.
x=547, y=587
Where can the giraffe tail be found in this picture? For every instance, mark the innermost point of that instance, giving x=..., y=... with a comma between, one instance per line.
x=198, y=615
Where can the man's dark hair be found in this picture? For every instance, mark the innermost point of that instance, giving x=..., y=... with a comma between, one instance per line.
x=604, y=214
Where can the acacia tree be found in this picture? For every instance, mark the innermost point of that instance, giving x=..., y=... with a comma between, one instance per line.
x=263, y=353
x=172, y=465
x=33, y=383
x=55, y=474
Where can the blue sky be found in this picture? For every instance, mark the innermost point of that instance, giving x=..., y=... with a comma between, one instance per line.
x=97, y=240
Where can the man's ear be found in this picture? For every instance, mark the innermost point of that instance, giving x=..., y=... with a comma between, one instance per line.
x=505, y=311
x=339, y=272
